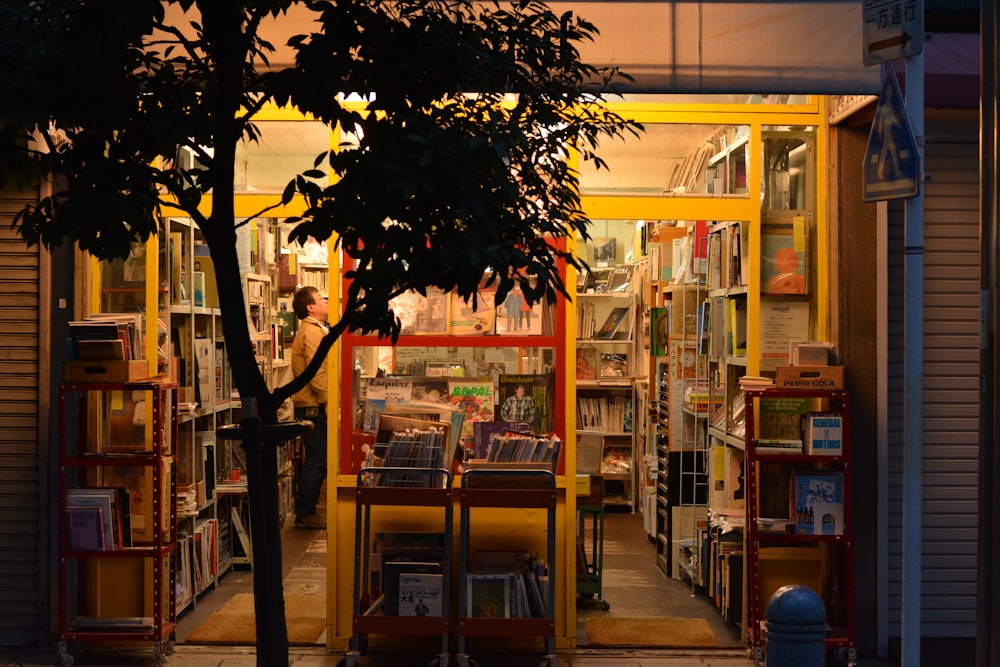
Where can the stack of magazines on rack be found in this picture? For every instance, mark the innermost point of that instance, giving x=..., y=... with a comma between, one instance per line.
x=522, y=448
x=413, y=457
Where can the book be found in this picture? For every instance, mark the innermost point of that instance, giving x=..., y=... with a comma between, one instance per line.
x=475, y=399
x=614, y=364
x=783, y=257
x=605, y=252
x=466, y=318
x=659, y=330
x=777, y=446
x=613, y=322
x=817, y=503
x=620, y=278
x=105, y=500
x=781, y=418
x=516, y=317
x=823, y=433
x=599, y=279
x=488, y=595
x=586, y=363
x=534, y=406
x=85, y=528
x=420, y=594
x=392, y=580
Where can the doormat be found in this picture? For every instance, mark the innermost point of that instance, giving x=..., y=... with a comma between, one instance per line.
x=235, y=623
x=658, y=632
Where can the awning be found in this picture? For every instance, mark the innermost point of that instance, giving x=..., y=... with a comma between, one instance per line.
x=744, y=47
x=777, y=47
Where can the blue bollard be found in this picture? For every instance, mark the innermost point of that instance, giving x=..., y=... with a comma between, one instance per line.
x=796, y=628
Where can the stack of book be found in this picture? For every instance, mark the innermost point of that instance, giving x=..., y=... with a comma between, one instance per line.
x=755, y=383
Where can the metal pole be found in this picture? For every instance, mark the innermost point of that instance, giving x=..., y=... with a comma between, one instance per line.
x=913, y=376
x=987, y=616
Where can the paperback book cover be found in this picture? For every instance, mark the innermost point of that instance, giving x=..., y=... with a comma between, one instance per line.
x=420, y=594
x=613, y=323
x=393, y=573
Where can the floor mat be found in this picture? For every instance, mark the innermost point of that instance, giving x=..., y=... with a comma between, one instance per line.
x=659, y=632
x=235, y=623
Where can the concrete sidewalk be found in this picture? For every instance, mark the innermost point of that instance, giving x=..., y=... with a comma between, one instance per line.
x=243, y=656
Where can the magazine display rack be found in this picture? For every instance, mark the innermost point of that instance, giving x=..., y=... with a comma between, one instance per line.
x=506, y=489
x=799, y=511
x=117, y=514
x=399, y=487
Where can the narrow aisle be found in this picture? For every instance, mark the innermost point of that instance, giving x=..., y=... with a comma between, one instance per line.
x=634, y=587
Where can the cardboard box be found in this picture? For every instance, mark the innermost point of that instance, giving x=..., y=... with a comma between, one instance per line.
x=593, y=495
x=105, y=371
x=809, y=377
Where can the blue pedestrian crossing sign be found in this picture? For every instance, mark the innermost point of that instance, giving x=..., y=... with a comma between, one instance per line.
x=892, y=161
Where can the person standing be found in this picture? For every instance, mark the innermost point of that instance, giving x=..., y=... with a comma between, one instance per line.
x=310, y=404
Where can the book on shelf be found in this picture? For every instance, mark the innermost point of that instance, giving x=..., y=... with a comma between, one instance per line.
x=599, y=279
x=659, y=330
x=605, y=251
x=472, y=319
x=823, y=433
x=587, y=359
x=475, y=399
x=393, y=572
x=818, y=503
x=781, y=418
x=533, y=406
x=584, y=279
x=85, y=528
x=778, y=446
x=488, y=595
x=613, y=323
x=420, y=594
x=620, y=278
x=516, y=317
x=784, y=257
x=614, y=365
x=106, y=500
x=378, y=392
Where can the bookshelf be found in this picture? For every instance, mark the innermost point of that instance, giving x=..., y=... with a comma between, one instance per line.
x=607, y=363
x=117, y=568
x=799, y=509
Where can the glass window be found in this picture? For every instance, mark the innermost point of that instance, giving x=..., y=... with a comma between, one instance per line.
x=672, y=159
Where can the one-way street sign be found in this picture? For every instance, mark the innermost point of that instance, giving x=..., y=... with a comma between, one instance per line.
x=893, y=29
x=892, y=161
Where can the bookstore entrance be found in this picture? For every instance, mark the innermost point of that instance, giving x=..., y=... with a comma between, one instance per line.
x=706, y=258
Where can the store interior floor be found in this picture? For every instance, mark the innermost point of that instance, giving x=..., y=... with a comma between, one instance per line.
x=632, y=585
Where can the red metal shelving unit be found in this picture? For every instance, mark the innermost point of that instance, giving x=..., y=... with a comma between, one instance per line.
x=832, y=553
x=80, y=459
